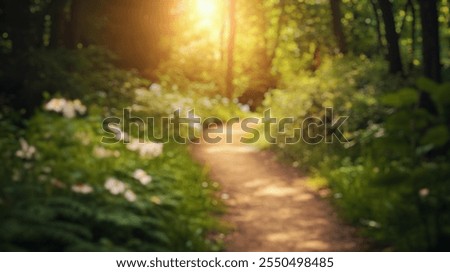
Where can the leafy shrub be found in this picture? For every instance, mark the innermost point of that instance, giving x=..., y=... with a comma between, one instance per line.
x=392, y=176
x=350, y=86
x=164, y=100
x=64, y=190
x=88, y=74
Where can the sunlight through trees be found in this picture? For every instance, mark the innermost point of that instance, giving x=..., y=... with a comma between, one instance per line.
x=82, y=82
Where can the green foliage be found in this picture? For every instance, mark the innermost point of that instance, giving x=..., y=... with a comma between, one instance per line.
x=42, y=209
x=401, y=98
x=349, y=85
x=166, y=98
x=436, y=136
x=57, y=175
x=88, y=74
x=392, y=176
x=64, y=190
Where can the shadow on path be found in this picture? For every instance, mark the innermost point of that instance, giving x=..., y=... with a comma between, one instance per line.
x=269, y=206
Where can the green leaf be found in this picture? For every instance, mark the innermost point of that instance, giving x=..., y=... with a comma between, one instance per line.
x=436, y=136
x=427, y=85
x=403, y=97
x=442, y=96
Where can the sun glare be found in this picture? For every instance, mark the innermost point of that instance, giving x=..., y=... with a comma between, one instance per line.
x=207, y=12
x=206, y=8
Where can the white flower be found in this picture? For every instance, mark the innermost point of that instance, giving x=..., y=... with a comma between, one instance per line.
x=56, y=104
x=424, y=192
x=82, y=189
x=380, y=133
x=80, y=108
x=142, y=176
x=26, y=151
x=151, y=150
x=130, y=196
x=120, y=135
x=146, y=150
x=371, y=223
x=134, y=145
x=101, y=152
x=115, y=186
x=69, y=109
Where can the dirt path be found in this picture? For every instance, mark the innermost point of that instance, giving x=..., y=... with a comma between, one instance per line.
x=270, y=207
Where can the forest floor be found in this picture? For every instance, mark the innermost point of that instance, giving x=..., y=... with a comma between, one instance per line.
x=269, y=206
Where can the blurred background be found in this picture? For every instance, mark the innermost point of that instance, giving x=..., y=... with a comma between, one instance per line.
x=68, y=64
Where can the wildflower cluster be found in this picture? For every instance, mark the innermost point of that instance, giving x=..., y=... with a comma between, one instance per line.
x=101, y=152
x=146, y=149
x=117, y=187
x=82, y=189
x=67, y=108
x=142, y=177
x=26, y=151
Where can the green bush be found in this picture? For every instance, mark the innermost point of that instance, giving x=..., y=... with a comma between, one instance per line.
x=64, y=190
x=392, y=175
x=88, y=74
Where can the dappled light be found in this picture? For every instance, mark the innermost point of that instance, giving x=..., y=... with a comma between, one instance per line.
x=224, y=125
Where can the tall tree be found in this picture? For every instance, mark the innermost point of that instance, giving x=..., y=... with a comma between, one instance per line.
x=373, y=3
x=73, y=26
x=223, y=27
x=430, y=37
x=338, y=29
x=18, y=16
x=57, y=16
x=409, y=5
x=392, y=37
x=231, y=44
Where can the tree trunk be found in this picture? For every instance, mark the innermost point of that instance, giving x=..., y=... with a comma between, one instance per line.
x=223, y=28
x=430, y=36
x=392, y=38
x=378, y=26
x=413, y=34
x=73, y=27
x=231, y=45
x=338, y=28
x=57, y=23
x=430, y=48
x=18, y=15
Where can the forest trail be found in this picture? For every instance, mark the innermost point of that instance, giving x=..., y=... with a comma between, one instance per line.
x=269, y=206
